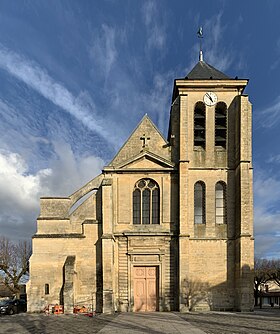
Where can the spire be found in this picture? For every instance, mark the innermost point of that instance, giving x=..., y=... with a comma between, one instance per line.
x=200, y=36
x=200, y=55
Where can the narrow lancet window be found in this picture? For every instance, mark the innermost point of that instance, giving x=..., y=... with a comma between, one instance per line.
x=47, y=289
x=220, y=197
x=199, y=203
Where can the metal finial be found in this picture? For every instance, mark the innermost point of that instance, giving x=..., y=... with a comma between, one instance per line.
x=200, y=36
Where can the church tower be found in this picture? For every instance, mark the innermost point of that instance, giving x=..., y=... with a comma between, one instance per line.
x=210, y=133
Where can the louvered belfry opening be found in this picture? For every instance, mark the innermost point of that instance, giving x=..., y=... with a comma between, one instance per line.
x=199, y=125
x=221, y=125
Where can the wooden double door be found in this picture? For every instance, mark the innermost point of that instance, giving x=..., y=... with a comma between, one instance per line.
x=146, y=284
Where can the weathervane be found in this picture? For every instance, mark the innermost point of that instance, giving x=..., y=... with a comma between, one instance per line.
x=200, y=36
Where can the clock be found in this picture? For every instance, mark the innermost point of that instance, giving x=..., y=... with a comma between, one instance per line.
x=210, y=99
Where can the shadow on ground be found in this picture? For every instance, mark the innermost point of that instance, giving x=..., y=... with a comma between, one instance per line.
x=258, y=322
x=49, y=324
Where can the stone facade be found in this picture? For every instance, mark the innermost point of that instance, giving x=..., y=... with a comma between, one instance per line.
x=92, y=247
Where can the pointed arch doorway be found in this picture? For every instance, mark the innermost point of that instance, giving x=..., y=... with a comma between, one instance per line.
x=146, y=287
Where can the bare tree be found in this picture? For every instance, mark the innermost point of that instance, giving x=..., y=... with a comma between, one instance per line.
x=261, y=276
x=14, y=263
x=274, y=272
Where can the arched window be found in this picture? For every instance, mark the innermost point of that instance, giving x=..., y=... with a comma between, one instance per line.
x=146, y=202
x=221, y=125
x=199, y=124
x=199, y=203
x=47, y=289
x=220, y=199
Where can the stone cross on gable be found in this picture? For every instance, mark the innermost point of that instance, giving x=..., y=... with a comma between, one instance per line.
x=145, y=139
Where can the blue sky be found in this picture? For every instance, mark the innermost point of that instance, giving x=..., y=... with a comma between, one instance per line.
x=77, y=76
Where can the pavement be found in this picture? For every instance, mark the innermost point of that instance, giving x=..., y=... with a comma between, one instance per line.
x=265, y=321
x=156, y=323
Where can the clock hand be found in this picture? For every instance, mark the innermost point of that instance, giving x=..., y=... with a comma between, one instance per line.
x=209, y=97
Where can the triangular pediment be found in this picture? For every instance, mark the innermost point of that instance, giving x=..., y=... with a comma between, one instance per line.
x=146, y=138
x=145, y=160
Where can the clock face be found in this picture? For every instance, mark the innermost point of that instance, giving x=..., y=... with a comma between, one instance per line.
x=210, y=98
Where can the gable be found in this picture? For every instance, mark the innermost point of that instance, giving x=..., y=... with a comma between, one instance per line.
x=143, y=163
x=146, y=137
x=145, y=160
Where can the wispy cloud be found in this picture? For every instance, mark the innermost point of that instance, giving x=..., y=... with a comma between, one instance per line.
x=276, y=62
x=123, y=75
x=274, y=159
x=214, y=51
x=81, y=107
x=271, y=115
x=217, y=54
x=103, y=50
x=156, y=35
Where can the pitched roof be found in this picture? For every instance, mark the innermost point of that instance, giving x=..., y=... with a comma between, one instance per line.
x=205, y=71
x=157, y=143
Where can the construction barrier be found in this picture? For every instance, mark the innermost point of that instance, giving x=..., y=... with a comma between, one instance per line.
x=80, y=309
x=53, y=309
x=58, y=309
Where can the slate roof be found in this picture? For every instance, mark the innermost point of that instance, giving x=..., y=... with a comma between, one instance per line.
x=204, y=71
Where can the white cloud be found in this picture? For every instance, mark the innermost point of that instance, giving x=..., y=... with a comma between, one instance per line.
x=267, y=229
x=19, y=196
x=266, y=214
x=267, y=188
x=20, y=190
x=70, y=172
x=81, y=107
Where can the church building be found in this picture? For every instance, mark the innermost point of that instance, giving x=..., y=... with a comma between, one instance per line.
x=168, y=224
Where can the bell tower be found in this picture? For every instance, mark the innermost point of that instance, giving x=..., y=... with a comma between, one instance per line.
x=210, y=133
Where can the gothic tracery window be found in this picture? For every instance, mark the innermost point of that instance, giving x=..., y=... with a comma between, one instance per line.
x=199, y=203
x=146, y=202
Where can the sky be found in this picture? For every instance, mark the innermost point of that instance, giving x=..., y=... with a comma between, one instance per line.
x=76, y=77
